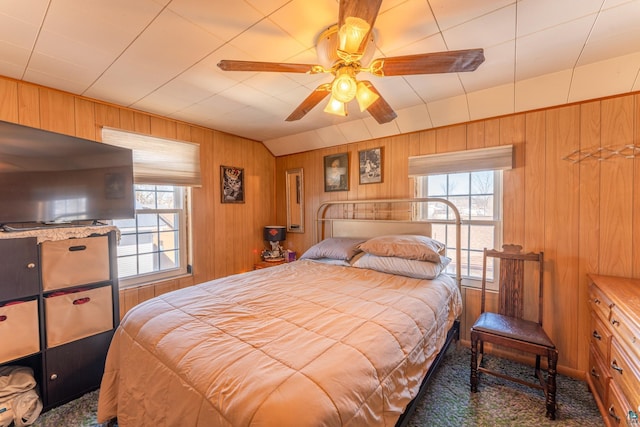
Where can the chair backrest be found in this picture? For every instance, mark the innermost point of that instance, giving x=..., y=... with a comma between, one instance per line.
x=512, y=280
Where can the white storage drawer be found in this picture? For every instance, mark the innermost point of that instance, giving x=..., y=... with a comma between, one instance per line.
x=75, y=315
x=72, y=262
x=19, y=331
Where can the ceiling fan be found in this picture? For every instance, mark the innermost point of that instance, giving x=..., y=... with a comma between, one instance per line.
x=348, y=46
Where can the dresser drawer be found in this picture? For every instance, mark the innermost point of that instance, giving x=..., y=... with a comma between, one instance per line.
x=625, y=372
x=600, y=336
x=75, y=315
x=72, y=262
x=599, y=373
x=600, y=303
x=618, y=408
x=19, y=332
x=627, y=330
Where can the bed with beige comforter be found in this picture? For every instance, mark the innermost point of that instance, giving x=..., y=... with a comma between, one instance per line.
x=300, y=344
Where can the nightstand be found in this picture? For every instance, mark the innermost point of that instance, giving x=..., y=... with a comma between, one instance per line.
x=267, y=264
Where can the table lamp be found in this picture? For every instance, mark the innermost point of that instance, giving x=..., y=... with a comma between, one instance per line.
x=274, y=234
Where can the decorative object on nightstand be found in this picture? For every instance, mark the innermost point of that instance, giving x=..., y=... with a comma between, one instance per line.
x=274, y=234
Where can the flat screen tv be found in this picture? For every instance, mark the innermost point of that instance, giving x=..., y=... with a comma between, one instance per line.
x=50, y=178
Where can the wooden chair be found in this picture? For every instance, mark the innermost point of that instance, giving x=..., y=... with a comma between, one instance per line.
x=508, y=328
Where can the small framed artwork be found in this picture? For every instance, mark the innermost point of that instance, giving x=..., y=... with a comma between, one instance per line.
x=231, y=184
x=336, y=172
x=370, y=165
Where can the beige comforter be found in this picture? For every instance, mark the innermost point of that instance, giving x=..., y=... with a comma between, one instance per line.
x=301, y=344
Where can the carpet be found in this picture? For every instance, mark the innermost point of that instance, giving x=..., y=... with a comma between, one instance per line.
x=447, y=401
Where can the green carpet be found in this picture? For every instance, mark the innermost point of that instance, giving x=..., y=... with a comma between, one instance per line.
x=447, y=401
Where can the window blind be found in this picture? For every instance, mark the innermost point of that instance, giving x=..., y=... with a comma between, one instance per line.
x=158, y=161
x=493, y=158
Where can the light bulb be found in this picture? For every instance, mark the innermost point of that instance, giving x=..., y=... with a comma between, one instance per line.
x=365, y=96
x=336, y=107
x=344, y=86
x=352, y=33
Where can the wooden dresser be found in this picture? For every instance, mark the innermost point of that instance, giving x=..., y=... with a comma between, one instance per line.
x=614, y=349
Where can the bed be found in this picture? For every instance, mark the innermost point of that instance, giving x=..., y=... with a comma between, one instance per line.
x=319, y=341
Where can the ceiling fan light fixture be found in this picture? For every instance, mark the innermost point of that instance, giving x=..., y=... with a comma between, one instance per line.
x=344, y=86
x=352, y=33
x=365, y=96
x=336, y=107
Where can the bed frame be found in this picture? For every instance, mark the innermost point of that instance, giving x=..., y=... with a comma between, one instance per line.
x=376, y=217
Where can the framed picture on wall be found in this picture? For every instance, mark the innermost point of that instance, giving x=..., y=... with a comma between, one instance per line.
x=336, y=172
x=231, y=184
x=370, y=162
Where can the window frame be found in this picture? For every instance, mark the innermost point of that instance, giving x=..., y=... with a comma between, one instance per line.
x=421, y=189
x=184, y=241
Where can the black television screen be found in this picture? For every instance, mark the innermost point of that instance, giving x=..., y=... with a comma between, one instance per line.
x=47, y=177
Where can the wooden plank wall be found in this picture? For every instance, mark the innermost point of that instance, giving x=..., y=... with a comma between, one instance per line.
x=584, y=216
x=227, y=238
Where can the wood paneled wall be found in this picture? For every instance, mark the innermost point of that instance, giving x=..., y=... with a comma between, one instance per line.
x=584, y=216
x=227, y=238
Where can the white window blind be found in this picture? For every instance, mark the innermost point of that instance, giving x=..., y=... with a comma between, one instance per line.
x=493, y=158
x=158, y=161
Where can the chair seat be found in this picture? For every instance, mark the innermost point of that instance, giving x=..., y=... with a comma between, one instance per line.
x=514, y=328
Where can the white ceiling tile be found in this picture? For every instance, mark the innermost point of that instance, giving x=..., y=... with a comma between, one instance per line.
x=267, y=7
x=617, y=75
x=616, y=33
x=483, y=32
x=434, y=43
x=433, y=87
x=378, y=130
x=414, y=119
x=448, y=111
x=496, y=70
x=396, y=31
x=537, y=92
x=355, y=130
x=281, y=46
x=537, y=15
x=396, y=90
x=535, y=57
x=331, y=135
x=28, y=11
x=495, y=101
x=305, y=23
x=223, y=22
x=450, y=13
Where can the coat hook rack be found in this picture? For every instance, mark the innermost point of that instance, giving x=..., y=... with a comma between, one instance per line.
x=628, y=151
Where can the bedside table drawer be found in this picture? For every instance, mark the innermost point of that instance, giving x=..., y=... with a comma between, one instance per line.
x=600, y=303
x=599, y=373
x=625, y=373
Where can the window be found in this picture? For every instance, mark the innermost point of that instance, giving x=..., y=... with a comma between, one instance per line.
x=478, y=196
x=153, y=245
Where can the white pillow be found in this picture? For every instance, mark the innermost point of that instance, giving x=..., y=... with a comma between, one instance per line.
x=403, y=266
x=409, y=246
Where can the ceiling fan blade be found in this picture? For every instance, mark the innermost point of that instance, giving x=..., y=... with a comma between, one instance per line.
x=367, y=10
x=380, y=110
x=428, y=63
x=310, y=101
x=279, y=67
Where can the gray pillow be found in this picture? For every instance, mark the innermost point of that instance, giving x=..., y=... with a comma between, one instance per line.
x=342, y=248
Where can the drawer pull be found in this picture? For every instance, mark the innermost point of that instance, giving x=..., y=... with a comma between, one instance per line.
x=596, y=335
x=81, y=301
x=3, y=318
x=77, y=248
x=594, y=373
x=31, y=265
x=596, y=301
x=614, y=366
x=53, y=377
x=615, y=322
x=612, y=414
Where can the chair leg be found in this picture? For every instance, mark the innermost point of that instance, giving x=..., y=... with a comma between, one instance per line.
x=474, y=362
x=535, y=373
x=551, y=384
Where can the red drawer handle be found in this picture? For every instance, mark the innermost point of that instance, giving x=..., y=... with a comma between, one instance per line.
x=81, y=301
x=77, y=248
x=3, y=318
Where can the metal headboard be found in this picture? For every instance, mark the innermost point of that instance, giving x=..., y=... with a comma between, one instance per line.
x=356, y=218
